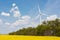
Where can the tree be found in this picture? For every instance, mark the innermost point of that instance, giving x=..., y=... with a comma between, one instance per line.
x=47, y=28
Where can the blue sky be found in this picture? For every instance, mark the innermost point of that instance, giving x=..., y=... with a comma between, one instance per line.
x=17, y=14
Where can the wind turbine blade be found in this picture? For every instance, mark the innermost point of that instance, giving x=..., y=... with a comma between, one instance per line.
x=38, y=14
x=39, y=10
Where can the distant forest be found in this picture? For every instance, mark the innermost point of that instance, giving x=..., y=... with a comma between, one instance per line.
x=47, y=28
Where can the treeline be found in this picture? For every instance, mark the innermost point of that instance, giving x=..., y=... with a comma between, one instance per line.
x=47, y=28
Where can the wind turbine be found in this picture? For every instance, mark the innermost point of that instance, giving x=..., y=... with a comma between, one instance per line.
x=40, y=15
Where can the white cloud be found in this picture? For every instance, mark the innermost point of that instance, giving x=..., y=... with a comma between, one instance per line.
x=26, y=17
x=17, y=13
x=1, y=22
x=15, y=10
x=52, y=17
x=25, y=20
x=17, y=22
x=13, y=4
x=7, y=23
x=5, y=14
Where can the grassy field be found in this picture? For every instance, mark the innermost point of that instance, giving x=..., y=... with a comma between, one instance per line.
x=16, y=37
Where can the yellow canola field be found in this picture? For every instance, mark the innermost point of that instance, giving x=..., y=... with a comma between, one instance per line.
x=16, y=37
